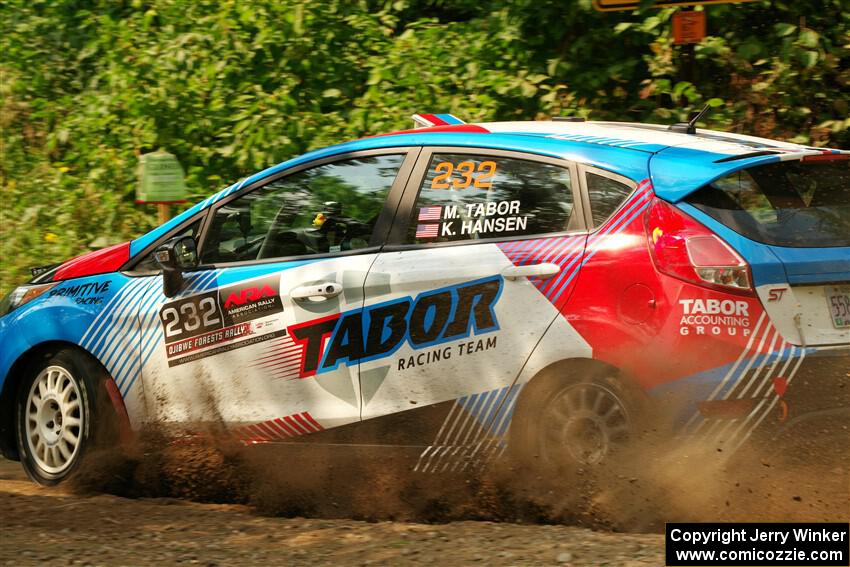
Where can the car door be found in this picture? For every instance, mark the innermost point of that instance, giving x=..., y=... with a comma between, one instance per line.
x=483, y=252
x=281, y=261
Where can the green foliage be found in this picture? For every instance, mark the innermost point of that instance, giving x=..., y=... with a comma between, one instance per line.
x=231, y=87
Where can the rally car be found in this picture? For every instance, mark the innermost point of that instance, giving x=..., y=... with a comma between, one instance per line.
x=464, y=291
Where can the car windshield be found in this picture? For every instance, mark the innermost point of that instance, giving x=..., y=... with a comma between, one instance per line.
x=792, y=203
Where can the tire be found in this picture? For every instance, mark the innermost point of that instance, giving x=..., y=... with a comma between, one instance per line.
x=61, y=404
x=576, y=423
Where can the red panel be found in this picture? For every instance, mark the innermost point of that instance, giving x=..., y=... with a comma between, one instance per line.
x=647, y=330
x=98, y=262
x=451, y=128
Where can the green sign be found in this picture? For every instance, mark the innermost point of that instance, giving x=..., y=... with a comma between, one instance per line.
x=160, y=179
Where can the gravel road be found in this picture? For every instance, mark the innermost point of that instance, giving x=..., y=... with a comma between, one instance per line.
x=154, y=511
x=55, y=527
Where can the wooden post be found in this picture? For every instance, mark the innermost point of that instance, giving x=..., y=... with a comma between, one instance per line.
x=164, y=213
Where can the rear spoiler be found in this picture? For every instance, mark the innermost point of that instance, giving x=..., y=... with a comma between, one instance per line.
x=676, y=172
x=829, y=155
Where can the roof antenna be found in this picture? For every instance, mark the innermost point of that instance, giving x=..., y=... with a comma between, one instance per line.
x=690, y=127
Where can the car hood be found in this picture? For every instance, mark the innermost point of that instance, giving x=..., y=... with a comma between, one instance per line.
x=100, y=261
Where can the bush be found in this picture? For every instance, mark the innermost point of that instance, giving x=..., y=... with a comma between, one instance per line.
x=231, y=87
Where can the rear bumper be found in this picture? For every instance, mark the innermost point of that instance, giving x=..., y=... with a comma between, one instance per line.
x=771, y=396
x=819, y=392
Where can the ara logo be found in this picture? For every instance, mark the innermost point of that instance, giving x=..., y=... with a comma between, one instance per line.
x=248, y=294
x=250, y=300
x=377, y=331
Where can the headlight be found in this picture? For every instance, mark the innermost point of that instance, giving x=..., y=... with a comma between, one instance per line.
x=22, y=295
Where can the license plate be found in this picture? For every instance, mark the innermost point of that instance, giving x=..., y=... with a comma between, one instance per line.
x=838, y=299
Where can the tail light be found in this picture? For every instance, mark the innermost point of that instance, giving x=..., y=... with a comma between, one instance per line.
x=825, y=157
x=685, y=249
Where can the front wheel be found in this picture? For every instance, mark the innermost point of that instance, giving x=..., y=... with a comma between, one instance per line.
x=56, y=410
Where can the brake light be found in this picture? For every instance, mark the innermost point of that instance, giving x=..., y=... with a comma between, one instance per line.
x=825, y=157
x=685, y=249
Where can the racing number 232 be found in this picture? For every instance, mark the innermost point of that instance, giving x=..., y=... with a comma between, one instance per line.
x=190, y=317
x=468, y=175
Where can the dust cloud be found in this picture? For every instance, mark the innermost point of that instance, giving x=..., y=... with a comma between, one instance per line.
x=639, y=490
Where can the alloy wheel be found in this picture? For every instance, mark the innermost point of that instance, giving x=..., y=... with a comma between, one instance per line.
x=54, y=419
x=586, y=420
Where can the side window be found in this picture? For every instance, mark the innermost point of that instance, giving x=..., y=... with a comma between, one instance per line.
x=149, y=264
x=606, y=195
x=469, y=197
x=327, y=208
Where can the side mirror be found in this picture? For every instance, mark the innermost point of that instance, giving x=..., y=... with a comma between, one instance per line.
x=174, y=257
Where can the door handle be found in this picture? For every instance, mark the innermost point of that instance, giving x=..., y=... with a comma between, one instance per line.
x=545, y=270
x=321, y=291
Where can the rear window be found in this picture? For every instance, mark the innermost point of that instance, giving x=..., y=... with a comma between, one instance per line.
x=606, y=196
x=792, y=203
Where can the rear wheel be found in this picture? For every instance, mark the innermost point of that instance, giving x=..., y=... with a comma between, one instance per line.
x=577, y=422
x=583, y=424
x=57, y=408
x=578, y=443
